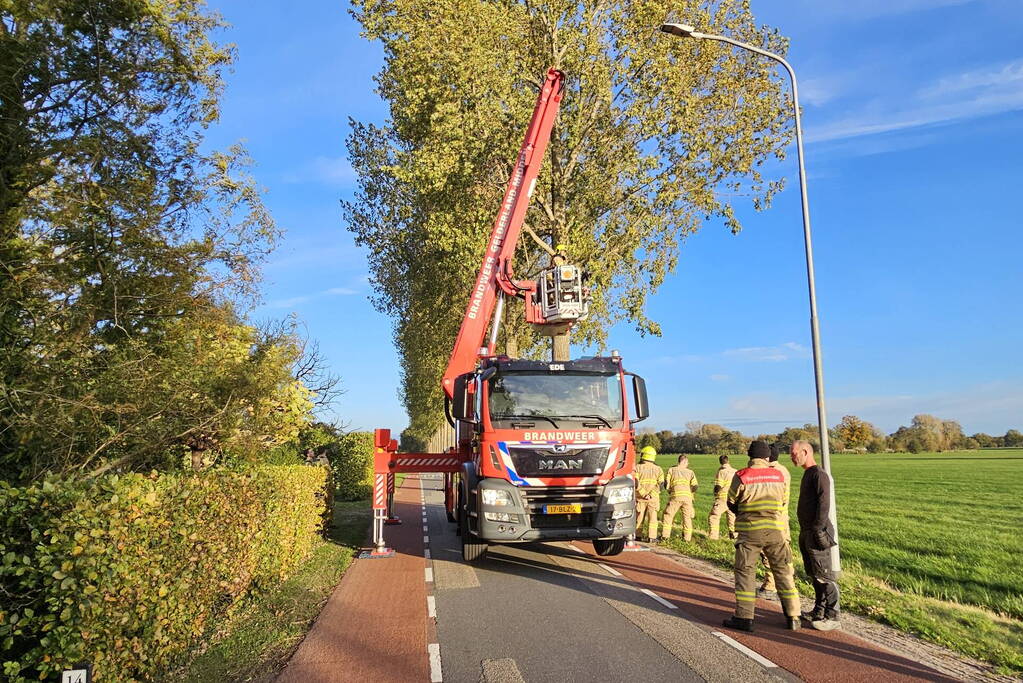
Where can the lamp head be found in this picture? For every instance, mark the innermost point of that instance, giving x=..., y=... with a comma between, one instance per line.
x=681, y=30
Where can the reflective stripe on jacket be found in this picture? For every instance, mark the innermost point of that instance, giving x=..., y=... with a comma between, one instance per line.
x=758, y=494
x=649, y=478
x=788, y=481
x=681, y=482
x=723, y=479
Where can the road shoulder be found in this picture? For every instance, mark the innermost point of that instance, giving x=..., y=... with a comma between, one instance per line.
x=883, y=637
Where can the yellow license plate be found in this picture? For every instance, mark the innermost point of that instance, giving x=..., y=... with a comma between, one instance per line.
x=562, y=509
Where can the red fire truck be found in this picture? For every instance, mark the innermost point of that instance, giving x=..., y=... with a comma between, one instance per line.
x=544, y=450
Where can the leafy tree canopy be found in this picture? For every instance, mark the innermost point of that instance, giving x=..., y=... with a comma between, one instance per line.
x=129, y=257
x=654, y=139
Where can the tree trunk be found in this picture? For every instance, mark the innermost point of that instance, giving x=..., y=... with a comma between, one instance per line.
x=511, y=346
x=560, y=350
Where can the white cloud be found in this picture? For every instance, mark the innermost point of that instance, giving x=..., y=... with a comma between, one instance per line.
x=869, y=9
x=297, y=300
x=752, y=354
x=994, y=89
x=999, y=76
x=683, y=358
x=817, y=91
x=774, y=354
x=288, y=303
x=335, y=171
x=991, y=407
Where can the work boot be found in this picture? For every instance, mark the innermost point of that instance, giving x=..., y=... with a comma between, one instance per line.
x=792, y=623
x=827, y=624
x=812, y=615
x=739, y=624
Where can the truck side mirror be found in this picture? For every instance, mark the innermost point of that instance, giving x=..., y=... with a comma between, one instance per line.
x=462, y=403
x=639, y=399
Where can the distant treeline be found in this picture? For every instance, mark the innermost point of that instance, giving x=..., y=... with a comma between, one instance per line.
x=925, y=433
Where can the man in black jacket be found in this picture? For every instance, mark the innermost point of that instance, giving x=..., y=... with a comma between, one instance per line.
x=816, y=537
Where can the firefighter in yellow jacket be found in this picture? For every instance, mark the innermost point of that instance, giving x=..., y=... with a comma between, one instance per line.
x=681, y=484
x=756, y=496
x=722, y=480
x=768, y=584
x=649, y=479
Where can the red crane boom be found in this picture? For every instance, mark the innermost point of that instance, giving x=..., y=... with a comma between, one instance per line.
x=495, y=270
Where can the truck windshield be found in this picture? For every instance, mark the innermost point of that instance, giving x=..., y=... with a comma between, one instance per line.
x=569, y=396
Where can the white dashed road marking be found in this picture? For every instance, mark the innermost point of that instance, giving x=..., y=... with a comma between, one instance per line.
x=755, y=656
x=431, y=606
x=658, y=598
x=435, y=670
x=429, y=575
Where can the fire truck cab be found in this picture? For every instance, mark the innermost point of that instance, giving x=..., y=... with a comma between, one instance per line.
x=553, y=459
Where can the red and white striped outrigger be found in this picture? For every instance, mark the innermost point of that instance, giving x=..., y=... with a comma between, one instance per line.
x=386, y=463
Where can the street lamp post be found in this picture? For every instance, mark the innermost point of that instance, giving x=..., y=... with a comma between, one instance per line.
x=685, y=31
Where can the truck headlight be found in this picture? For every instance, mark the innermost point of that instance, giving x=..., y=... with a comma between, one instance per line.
x=500, y=517
x=621, y=494
x=498, y=497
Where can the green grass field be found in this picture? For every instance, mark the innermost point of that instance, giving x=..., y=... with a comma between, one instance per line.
x=946, y=528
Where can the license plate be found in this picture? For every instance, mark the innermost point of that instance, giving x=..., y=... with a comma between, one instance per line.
x=562, y=509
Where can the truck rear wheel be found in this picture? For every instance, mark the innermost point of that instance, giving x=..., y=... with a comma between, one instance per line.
x=608, y=546
x=472, y=549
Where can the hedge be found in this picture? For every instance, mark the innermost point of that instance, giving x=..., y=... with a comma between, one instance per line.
x=128, y=572
x=352, y=463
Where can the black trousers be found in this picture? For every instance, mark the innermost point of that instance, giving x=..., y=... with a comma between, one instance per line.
x=822, y=576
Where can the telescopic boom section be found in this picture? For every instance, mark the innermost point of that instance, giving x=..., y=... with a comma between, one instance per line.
x=504, y=236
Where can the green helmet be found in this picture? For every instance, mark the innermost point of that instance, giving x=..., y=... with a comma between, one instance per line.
x=648, y=454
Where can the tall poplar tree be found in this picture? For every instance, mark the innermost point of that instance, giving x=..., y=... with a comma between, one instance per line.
x=655, y=138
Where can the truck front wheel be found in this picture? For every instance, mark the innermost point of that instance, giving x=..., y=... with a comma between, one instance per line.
x=472, y=549
x=608, y=546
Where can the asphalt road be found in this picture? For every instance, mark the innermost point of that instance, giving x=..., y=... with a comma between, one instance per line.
x=545, y=612
x=556, y=612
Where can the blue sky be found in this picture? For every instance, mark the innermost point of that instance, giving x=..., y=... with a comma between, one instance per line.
x=914, y=123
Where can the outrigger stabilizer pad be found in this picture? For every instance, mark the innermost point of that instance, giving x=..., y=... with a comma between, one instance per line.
x=631, y=545
x=376, y=554
x=393, y=520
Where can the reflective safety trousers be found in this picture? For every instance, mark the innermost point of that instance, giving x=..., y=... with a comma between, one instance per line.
x=775, y=547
